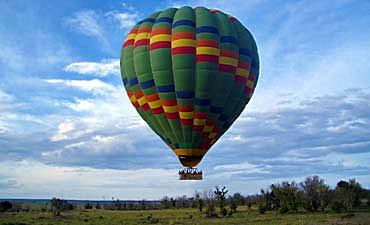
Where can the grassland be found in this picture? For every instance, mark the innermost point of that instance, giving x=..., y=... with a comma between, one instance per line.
x=178, y=216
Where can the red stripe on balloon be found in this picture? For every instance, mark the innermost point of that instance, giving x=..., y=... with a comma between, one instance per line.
x=197, y=128
x=252, y=77
x=207, y=58
x=172, y=116
x=145, y=107
x=240, y=79
x=183, y=50
x=128, y=43
x=141, y=42
x=227, y=68
x=158, y=110
x=170, y=102
x=160, y=44
x=186, y=121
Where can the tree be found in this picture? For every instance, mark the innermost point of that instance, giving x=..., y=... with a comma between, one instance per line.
x=5, y=206
x=221, y=196
x=87, y=205
x=209, y=199
x=315, y=193
x=347, y=195
x=165, y=202
x=286, y=194
x=199, y=201
x=56, y=206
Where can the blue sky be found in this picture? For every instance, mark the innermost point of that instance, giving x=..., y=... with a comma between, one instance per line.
x=67, y=128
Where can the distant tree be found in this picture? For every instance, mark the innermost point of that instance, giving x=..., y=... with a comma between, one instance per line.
x=98, y=206
x=5, y=206
x=56, y=206
x=209, y=198
x=88, y=205
x=315, y=193
x=165, y=202
x=347, y=195
x=221, y=196
x=285, y=196
x=199, y=201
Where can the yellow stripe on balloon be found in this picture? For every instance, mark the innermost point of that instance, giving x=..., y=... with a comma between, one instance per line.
x=170, y=109
x=242, y=72
x=160, y=37
x=199, y=122
x=140, y=36
x=133, y=99
x=183, y=43
x=212, y=135
x=155, y=104
x=131, y=36
x=186, y=115
x=207, y=129
x=228, y=61
x=142, y=101
x=208, y=51
x=250, y=84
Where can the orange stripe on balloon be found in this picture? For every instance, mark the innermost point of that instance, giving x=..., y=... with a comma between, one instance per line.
x=160, y=31
x=185, y=108
x=207, y=43
x=228, y=53
x=170, y=102
x=183, y=35
x=144, y=30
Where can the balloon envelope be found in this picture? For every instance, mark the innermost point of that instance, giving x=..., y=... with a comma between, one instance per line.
x=189, y=73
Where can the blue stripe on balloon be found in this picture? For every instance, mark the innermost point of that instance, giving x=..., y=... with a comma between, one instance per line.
x=183, y=23
x=164, y=20
x=184, y=94
x=166, y=88
x=147, y=84
x=133, y=81
x=223, y=117
x=245, y=52
x=207, y=29
x=202, y=102
x=150, y=20
x=215, y=109
x=124, y=81
x=228, y=39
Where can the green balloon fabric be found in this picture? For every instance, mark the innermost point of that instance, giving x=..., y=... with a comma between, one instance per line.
x=189, y=73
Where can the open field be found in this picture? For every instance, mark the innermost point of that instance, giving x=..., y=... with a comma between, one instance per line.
x=179, y=216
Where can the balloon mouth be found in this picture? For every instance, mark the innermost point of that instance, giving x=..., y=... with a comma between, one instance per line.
x=190, y=157
x=190, y=161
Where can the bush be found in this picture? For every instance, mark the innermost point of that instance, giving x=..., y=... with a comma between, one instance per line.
x=262, y=208
x=338, y=206
x=5, y=206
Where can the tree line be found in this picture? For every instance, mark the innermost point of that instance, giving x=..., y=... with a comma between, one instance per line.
x=311, y=195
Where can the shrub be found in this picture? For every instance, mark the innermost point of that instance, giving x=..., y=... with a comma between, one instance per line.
x=5, y=206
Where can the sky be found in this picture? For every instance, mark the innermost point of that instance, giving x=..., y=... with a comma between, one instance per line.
x=68, y=130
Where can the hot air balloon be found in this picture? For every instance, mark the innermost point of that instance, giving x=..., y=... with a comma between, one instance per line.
x=189, y=73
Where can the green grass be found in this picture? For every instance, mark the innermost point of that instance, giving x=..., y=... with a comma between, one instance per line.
x=179, y=216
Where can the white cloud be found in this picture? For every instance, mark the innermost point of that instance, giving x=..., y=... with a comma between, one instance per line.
x=100, y=69
x=87, y=23
x=63, y=129
x=95, y=85
x=126, y=19
x=37, y=180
